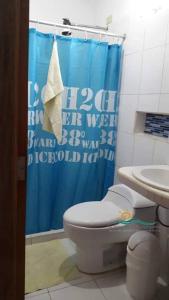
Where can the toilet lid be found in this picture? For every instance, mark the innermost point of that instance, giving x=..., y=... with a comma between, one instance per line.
x=93, y=214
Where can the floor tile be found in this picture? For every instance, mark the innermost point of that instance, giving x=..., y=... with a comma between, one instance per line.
x=75, y=282
x=45, y=296
x=37, y=293
x=113, y=287
x=85, y=291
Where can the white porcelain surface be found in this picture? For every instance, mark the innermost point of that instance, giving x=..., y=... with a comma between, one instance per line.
x=155, y=176
x=152, y=71
x=93, y=214
x=159, y=196
x=100, y=239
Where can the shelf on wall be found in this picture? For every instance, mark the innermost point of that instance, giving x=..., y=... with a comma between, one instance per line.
x=153, y=125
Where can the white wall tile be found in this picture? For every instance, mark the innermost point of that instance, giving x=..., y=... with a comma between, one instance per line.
x=143, y=150
x=164, y=103
x=120, y=24
x=151, y=77
x=124, y=149
x=149, y=103
x=131, y=73
x=135, y=37
x=167, y=38
x=127, y=113
x=156, y=30
x=161, y=153
x=165, y=81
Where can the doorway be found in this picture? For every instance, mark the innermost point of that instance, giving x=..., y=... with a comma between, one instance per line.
x=14, y=18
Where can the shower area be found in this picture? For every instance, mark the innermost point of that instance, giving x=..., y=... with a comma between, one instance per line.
x=80, y=166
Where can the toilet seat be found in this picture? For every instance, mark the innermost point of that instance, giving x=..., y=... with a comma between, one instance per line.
x=93, y=214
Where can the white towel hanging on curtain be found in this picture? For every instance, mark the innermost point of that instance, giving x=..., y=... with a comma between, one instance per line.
x=52, y=99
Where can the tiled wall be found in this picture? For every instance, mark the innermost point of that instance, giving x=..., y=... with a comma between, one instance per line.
x=145, y=78
x=145, y=87
x=157, y=125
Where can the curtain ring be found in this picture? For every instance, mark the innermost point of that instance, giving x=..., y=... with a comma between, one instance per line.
x=70, y=32
x=55, y=33
x=86, y=36
x=37, y=23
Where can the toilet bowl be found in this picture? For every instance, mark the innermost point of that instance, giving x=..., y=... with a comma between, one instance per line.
x=98, y=230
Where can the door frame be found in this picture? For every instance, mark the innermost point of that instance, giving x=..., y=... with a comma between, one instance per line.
x=14, y=24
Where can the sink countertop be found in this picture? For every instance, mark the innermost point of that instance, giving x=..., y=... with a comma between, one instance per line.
x=159, y=196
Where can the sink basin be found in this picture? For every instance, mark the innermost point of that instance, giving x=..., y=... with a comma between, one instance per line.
x=155, y=176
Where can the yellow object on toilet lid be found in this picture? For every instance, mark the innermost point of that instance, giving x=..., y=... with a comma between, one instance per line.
x=93, y=214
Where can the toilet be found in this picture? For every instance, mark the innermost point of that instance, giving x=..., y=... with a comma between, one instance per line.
x=98, y=230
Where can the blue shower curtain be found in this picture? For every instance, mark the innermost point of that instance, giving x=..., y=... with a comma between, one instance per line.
x=81, y=167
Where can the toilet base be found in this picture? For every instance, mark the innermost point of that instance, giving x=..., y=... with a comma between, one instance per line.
x=92, y=260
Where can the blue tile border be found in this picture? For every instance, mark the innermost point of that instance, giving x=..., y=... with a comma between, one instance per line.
x=157, y=125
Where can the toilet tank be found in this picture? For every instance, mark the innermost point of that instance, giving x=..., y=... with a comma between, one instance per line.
x=144, y=209
x=136, y=200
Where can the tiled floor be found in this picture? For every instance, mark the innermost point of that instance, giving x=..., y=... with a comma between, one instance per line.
x=110, y=286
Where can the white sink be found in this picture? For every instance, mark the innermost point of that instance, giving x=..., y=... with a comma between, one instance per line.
x=155, y=176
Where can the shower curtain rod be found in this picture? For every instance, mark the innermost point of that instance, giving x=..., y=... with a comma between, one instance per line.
x=123, y=37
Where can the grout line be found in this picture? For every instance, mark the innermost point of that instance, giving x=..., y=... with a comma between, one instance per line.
x=50, y=295
x=163, y=68
x=149, y=48
x=141, y=69
x=37, y=293
x=143, y=94
x=138, y=91
x=100, y=289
